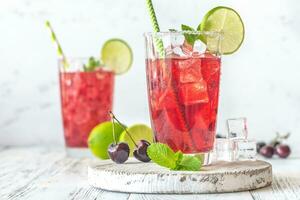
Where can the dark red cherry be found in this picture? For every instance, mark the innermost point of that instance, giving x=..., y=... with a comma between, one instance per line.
x=119, y=153
x=282, y=150
x=140, y=152
x=220, y=136
x=260, y=145
x=267, y=151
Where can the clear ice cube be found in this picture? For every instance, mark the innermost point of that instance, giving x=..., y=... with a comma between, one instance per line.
x=193, y=93
x=174, y=51
x=178, y=51
x=245, y=149
x=224, y=150
x=237, y=128
x=191, y=73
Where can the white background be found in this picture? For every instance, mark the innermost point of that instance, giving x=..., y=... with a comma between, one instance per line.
x=260, y=82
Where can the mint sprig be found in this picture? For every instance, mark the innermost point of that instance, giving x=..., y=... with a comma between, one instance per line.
x=92, y=64
x=189, y=163
x=190, y=38
x=163, y=155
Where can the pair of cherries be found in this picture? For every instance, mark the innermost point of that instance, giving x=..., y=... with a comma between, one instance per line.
x=119, y=152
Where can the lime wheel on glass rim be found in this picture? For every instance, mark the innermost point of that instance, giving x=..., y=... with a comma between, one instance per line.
x=228, y=22
x=117, y=55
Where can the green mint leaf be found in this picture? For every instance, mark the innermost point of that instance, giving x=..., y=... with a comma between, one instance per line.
x=179, y=156
x=172, y=30
x=190, y=38
x=199, y=27
x=163, y=155
x=200, y=157
x=201, y=36
x=189, y=163
x=92, y=64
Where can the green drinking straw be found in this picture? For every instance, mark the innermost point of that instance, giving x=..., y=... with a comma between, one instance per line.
x=160, y=46
x=158, y=42
x=58, y=47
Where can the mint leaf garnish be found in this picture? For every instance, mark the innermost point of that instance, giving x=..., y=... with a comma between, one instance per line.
x=179, y=156
x=172, y=30
x=189, y=163
x=199, y=27
x=163, y=155
x=92, y=64
x=190, y=38
x=201, y=36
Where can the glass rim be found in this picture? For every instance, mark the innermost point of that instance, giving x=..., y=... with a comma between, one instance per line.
x=60, y=60
x=167, y=33
x=73, y=58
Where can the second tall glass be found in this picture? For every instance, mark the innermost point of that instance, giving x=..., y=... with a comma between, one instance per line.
x=86, y=99
x=183, y=89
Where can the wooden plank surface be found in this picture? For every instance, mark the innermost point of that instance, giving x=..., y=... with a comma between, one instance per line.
x=37, y=173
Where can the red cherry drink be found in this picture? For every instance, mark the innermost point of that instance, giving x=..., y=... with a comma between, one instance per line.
x=86, y=99
x=183, y=99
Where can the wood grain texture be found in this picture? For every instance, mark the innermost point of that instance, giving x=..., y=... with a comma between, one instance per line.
x=20, y=170
x=287, y=186
x=223, y=196
x=35, y=173
x=150, y=178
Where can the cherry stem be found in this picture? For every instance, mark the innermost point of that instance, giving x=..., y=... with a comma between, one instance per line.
x=124, y=128
x=280, y=138
x=113, y=129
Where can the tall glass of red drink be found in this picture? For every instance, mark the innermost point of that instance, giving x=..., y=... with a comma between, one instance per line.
x=86, y=99
x=183, y=89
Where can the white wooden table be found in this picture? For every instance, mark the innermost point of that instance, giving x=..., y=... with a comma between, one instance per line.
x=41, y=173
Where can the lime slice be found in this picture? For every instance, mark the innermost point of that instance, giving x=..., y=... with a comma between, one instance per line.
x=101, y=137
x=117, y=55
x=137, y=132
x=228, y=22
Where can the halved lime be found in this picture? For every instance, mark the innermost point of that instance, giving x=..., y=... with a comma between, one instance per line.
x=101, y=137
x=117, y=55
x=228, y=22
x=138, y=132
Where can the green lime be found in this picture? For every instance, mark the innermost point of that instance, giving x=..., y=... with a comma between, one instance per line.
x=101, y=137
x=117, y=55
x=137, y=132
x=228, y=22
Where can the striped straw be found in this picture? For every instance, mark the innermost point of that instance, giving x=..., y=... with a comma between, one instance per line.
x=57, y=45
x=158, y=42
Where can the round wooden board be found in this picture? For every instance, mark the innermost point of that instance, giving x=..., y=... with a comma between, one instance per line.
x=137, y=177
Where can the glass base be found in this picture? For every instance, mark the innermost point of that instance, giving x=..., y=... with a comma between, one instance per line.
x=76, y=152
x=206, y=157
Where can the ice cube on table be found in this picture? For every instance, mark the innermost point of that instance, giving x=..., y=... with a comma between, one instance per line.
x=224, y=150
x=245, y=149
x=237, y=128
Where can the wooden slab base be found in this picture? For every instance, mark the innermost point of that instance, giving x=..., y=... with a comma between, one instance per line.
x=137, y=177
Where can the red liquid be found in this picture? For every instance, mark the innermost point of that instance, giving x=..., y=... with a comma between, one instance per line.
x=183, y=98
x=86, y=99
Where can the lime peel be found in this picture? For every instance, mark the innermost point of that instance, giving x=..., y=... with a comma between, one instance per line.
x=117, y=55
x=137, y=132
x=101, y=137
x=228, y=22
